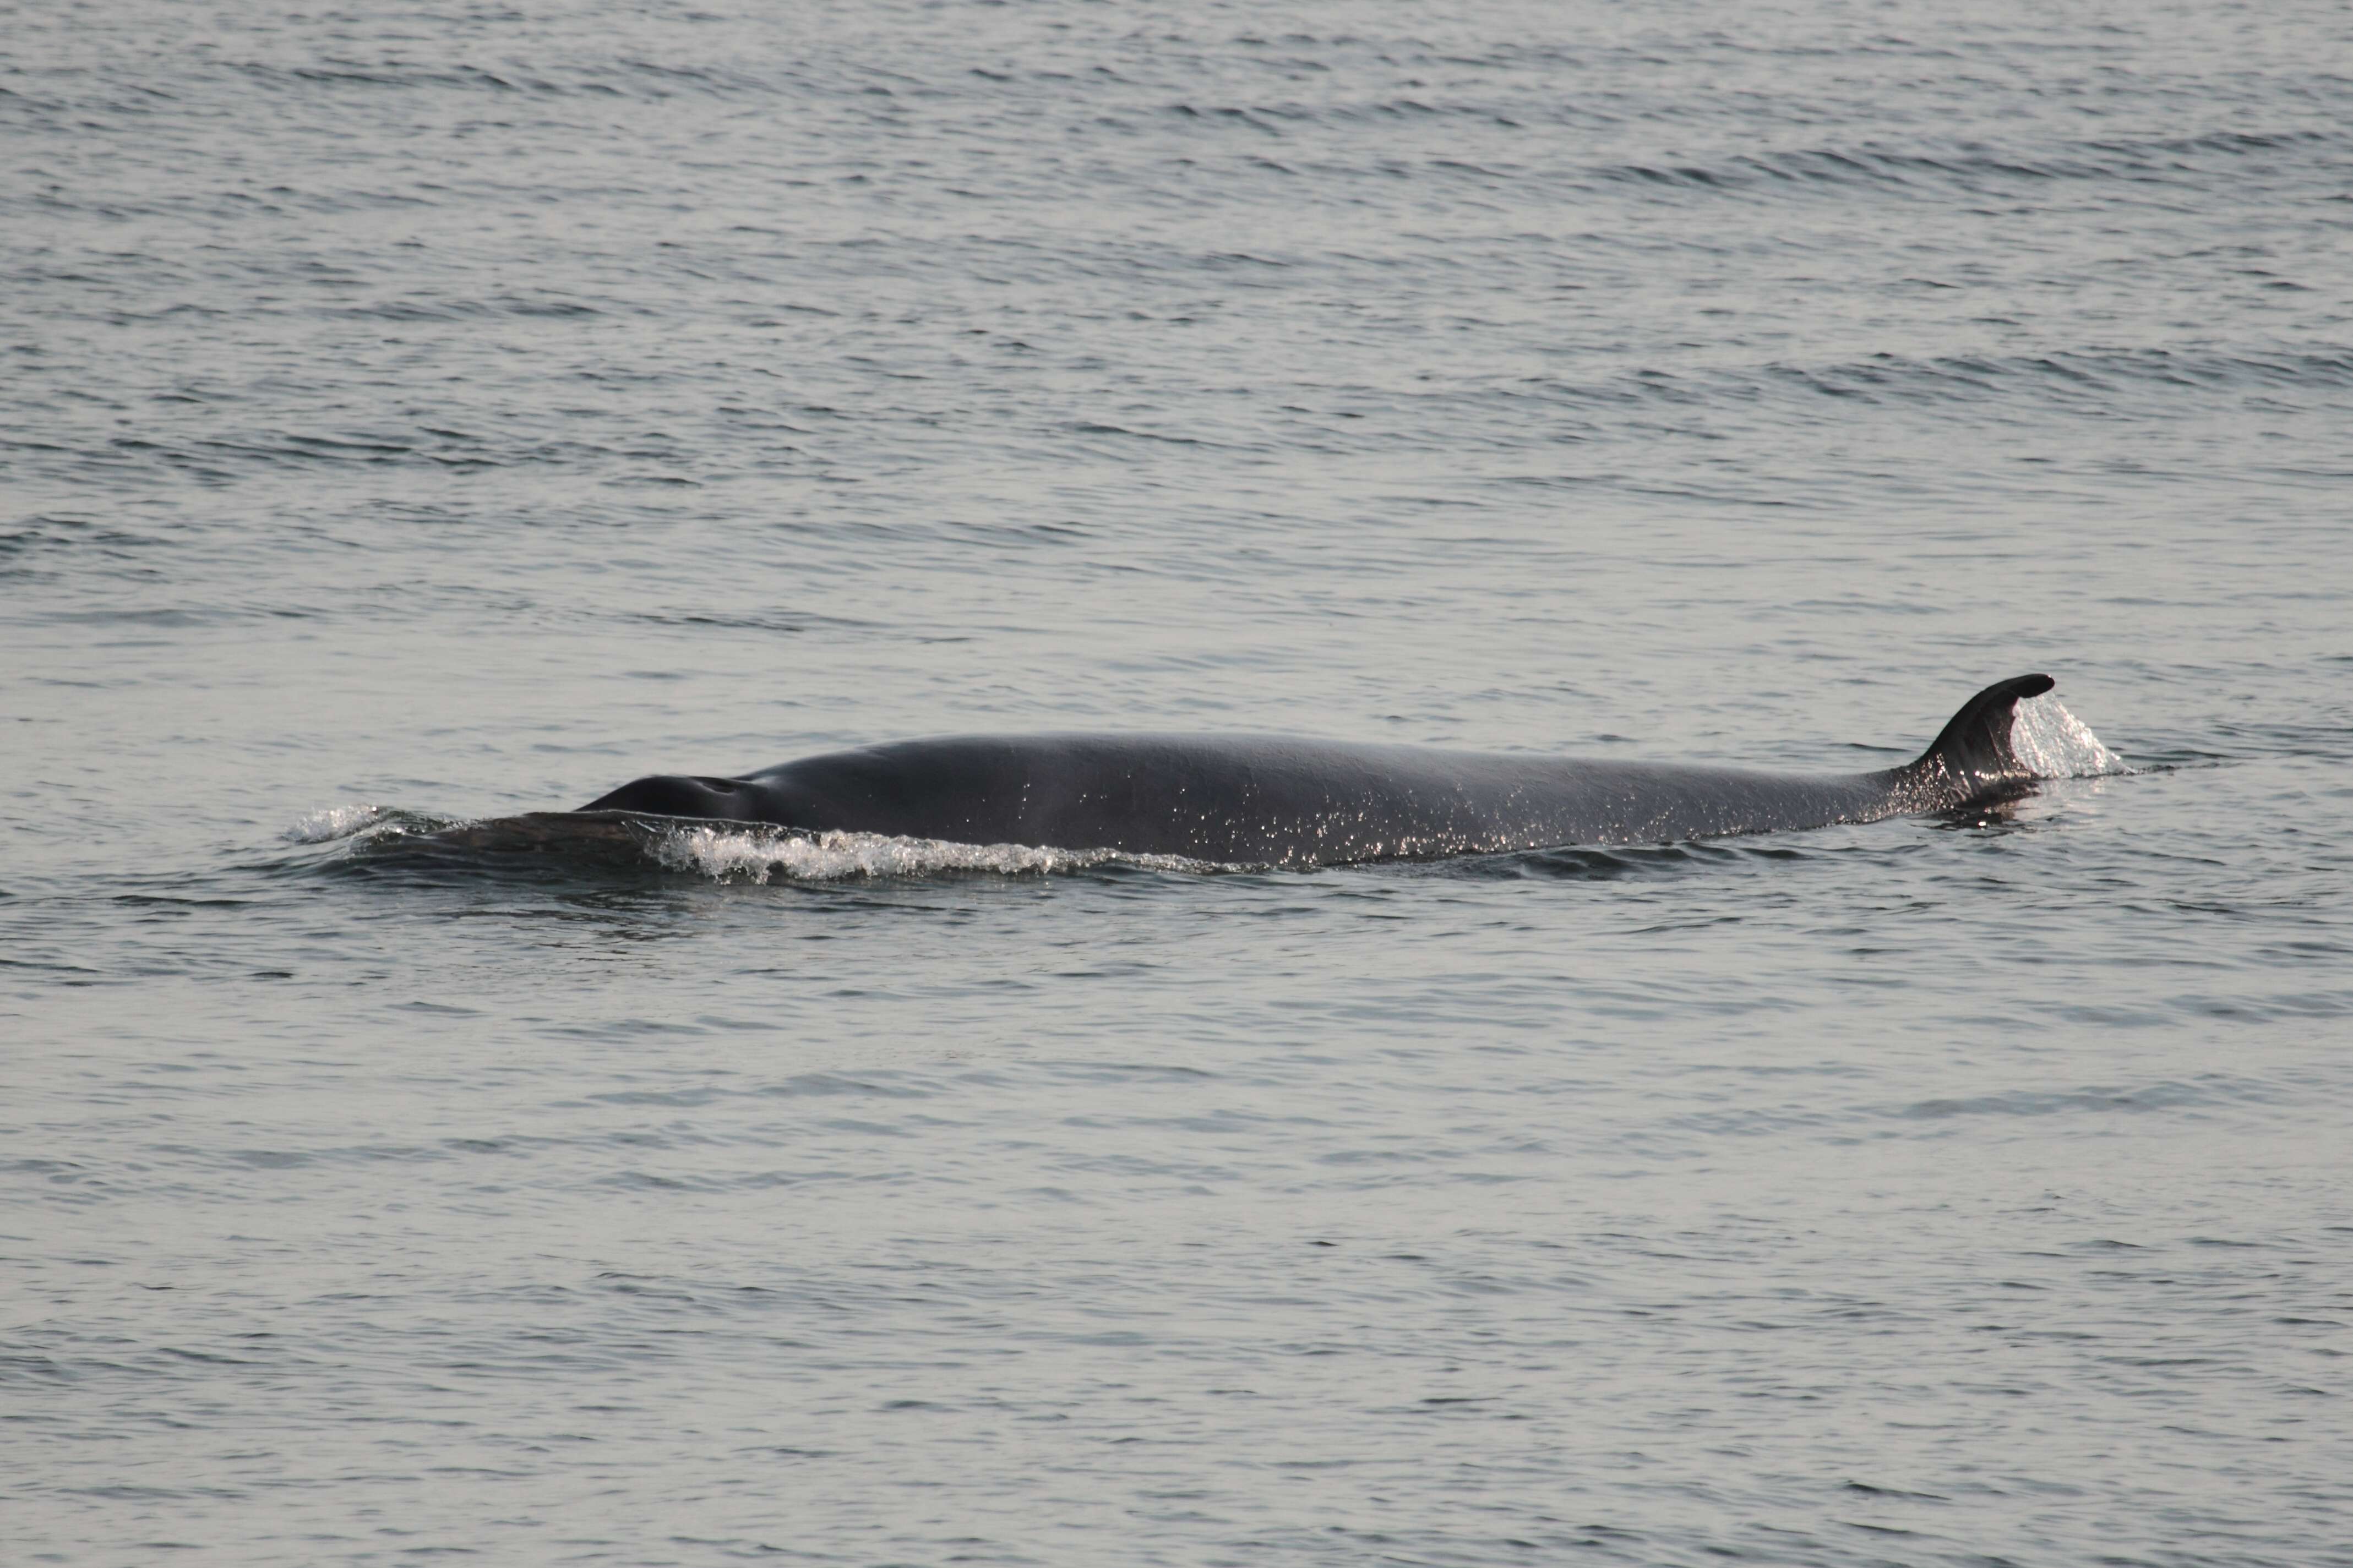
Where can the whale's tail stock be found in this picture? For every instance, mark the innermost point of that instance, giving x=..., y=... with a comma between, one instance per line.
x=1976, y=756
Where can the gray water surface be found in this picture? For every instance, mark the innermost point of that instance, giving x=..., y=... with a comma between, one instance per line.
x=416, y=417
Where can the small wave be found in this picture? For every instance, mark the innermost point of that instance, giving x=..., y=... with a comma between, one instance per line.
x=758, y=855
x=1587, y=862
x=2055, y=745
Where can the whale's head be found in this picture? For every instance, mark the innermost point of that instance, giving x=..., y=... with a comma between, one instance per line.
x=682, y=794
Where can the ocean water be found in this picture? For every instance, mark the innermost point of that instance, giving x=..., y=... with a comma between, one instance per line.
x=412, y=416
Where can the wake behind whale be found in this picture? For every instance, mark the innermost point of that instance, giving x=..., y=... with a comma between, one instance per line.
x=1285, y=801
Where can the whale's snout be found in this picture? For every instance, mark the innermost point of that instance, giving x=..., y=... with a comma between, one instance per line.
x=677, y=795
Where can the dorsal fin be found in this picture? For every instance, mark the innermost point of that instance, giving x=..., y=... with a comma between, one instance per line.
x=1973, y=755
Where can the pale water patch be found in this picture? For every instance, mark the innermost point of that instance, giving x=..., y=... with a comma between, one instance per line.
x=756, y=855
x=2055, y=745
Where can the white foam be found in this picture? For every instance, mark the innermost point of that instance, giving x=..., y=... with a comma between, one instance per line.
x=756, y=855
x=336, y=822
x=2056, y=745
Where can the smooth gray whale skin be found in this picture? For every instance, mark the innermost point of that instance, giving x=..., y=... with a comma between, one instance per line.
x=1269, y=799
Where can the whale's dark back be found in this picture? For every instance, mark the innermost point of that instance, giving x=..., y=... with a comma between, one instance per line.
x=1257, y=799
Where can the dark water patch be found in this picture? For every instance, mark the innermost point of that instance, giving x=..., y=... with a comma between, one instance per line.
x=2210, y=1090
x=393, y=75
x=783, y=623
x=52, y=548
x=2180, y=378
x=1975, y=167
x=1088, y=428
x=416, y=849
x=1636, y=862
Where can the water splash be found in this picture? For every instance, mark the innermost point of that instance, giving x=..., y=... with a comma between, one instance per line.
x=336, y=822
x=756, y=855
x=2055, y=745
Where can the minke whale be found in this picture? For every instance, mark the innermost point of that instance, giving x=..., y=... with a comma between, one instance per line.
x=1282, y=800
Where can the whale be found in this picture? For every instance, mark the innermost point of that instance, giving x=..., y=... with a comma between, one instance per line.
x=1283, y=800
